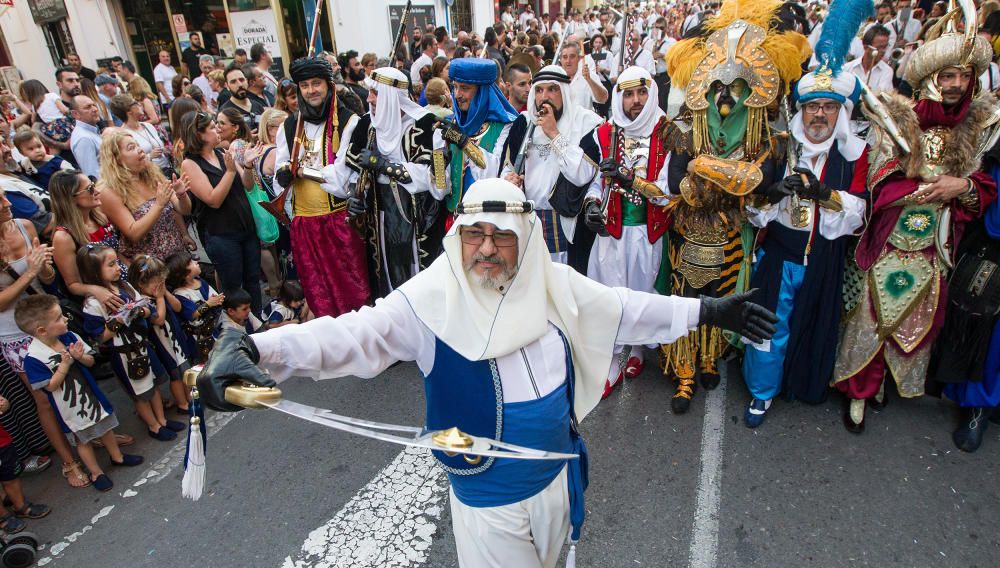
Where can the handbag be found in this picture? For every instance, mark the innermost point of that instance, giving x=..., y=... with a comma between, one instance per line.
x=265, y=223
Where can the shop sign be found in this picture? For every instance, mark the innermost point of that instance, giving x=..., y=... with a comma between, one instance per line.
x=256, y=26
x=44, y=11
x=180, y=26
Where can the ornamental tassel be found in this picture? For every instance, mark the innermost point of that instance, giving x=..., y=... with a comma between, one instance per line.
x=194, y=458
x=571, y=556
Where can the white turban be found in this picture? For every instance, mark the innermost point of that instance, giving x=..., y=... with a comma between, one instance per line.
x=644, y=123
x=481, y=323
x=392, y=88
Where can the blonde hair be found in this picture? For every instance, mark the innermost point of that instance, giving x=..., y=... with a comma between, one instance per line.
x=437, y=93
x=139, y=89
x=271, y=117
x=119, y=179
x=218, y=76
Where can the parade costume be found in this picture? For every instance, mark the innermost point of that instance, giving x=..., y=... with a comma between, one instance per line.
x=198, y=319
x=329, y=254
x=898, y=306
x=558, y=173
x=393, y=147
x=799, y=265
x=484, y=128
x=723, y=135
x=523, y=361
x=629, y=247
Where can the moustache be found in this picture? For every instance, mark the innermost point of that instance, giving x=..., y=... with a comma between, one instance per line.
x=492, y=258
x=950, y=92
x=818, y=122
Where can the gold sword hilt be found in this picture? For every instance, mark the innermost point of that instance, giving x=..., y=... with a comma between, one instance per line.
x=243, y=394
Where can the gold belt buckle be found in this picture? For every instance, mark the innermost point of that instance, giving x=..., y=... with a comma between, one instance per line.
x=701, y=255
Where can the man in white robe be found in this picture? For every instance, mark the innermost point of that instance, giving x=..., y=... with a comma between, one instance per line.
x=495, y=304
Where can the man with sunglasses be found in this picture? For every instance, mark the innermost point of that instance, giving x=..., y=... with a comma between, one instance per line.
x=512, y=346
x=329, y=253
x=810, y=216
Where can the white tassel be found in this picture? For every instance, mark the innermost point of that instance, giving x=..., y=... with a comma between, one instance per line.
x=571, y=556
x=194, y=472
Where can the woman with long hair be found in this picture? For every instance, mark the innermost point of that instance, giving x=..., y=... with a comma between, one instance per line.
x=130, y=113
x=232, y=127
x=28, y=265
x=263, y=173
x=179, y=108
x=225, y=222
x=143, y=94
x=178, y=84
x=140, y=202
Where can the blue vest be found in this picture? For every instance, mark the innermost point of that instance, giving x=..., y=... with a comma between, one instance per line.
x=469, y=395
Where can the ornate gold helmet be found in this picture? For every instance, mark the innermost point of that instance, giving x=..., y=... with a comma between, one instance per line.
x=949, y=49
x=741, y=45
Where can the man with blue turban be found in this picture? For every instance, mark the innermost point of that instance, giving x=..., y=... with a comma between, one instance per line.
x=483, y=119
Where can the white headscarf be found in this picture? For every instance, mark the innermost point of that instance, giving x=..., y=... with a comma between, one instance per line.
x=644, y=123
x=385, y=115
x=849, y=145
x=574, y=122
x=481, y=323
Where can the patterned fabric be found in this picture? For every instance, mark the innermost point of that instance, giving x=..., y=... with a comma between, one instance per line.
x=163, y=240
x=21, y=421
x=330, y=259
x=14, y=352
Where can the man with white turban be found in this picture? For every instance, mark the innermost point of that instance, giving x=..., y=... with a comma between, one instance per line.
x=633, y=182
x=560, y=163
x=391, y=191
x=810, y=216
x=512, y=346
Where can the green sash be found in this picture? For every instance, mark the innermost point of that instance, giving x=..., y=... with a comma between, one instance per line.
x=486, y=142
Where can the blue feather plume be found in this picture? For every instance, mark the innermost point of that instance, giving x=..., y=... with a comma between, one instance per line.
x=839, y=28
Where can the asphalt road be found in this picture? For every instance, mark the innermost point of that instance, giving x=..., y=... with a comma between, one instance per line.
x=799, y=491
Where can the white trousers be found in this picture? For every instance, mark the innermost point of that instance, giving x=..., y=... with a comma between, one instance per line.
x=629, y=262
x=526, y=534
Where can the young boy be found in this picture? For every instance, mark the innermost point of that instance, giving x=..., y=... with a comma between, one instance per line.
x=290, y=307
x=236, y=312
x=10, y=470
x=37, y=164
x=51, y=364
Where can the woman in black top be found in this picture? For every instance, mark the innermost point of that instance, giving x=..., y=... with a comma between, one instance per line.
x=222, y=211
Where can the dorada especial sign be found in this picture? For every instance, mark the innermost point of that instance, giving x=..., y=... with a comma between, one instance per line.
x=256, y=26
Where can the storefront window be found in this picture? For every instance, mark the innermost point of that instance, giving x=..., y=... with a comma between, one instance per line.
x=148, y=27
x=207, y=18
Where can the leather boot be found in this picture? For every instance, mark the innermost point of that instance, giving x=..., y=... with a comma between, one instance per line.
x=969, y=434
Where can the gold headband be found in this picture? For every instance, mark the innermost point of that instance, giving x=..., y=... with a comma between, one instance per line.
x=398, y=83
x=633, y=83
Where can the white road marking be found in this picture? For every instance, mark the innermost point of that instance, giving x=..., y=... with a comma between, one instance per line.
x=705, y=533
x=389, y=523
x=157, y=472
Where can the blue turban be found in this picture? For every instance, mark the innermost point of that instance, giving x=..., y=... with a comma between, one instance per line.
x=489, y=104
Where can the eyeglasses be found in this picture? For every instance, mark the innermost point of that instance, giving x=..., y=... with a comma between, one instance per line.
x=827, y=108
x=89, y=189
x=501, y=239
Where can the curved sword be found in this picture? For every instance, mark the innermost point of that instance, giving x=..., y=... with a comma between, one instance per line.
x=417, y=437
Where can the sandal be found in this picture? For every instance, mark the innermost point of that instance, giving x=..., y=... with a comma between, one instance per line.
x=32, y=511
x=123, y=440
x=11, y=524
x=73, y=472
x=34, y=464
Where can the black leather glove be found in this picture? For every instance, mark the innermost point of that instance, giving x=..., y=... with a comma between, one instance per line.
x=284, y=176
x=777, y=191
x=232, y=360
x=617, y=172
x=451, y=133
x=356, y=206
x=737, y=313
x=376, y=163
x=593, y=219
x=812, y=188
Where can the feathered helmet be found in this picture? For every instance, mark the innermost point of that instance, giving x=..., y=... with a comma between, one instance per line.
x=741, y=44
x=949, y=49
x=827, y=82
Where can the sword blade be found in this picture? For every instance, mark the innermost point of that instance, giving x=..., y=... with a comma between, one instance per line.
x=376, y=430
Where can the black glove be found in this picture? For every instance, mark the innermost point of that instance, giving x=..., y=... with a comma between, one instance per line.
x=737, y=313
x=284, y=175
x=777, y=191
x=356, y=206
x=593, y=219
x=812, y=188
x=612, y=169
x=372, y=161
x=232, y=360
x=451, y=133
